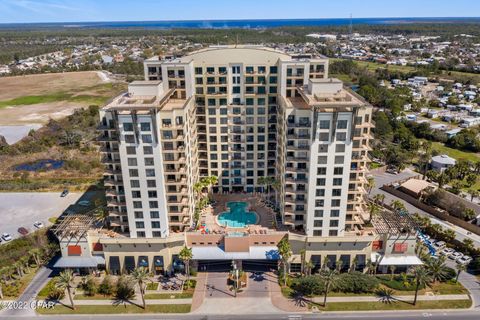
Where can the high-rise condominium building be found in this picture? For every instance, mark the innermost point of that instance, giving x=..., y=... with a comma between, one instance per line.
x=244, y=114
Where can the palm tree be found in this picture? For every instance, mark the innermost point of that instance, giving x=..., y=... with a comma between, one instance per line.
x=186, y=255
x=329, y=277
x=262, y=181
x=437, y=269
x=392, y=271
x=379, y=198
x=353, y=266
x=35, y=254
x=65, y=281
x=370, y=184
x=309, y=267
x=198, y=188
x=302, y=259
x=460, y=268
x=473, y=194
x=442, y=179
x=371, y=267
x=102, y=216
x=449, y=235
x=425, y=157
x=468, y=244
x=285, y=253
x=373, y=209
x=397, y=205
x=422, y=278
x=140, y=275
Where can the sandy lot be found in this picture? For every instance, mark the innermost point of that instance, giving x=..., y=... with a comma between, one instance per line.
x=37, y=113
x=38, y=84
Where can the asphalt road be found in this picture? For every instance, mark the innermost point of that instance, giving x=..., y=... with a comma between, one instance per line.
x=386, y=178
x=23, y=209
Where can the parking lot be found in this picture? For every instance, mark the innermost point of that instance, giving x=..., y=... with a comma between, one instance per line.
x=23, y=209
x=382, y=178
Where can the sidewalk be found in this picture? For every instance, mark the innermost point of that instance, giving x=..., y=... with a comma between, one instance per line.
x=200, y=289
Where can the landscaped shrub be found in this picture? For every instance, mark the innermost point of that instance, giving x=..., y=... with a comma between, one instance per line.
x=50, y=291
x=106, y=287
x=309, y=285
x=450, y=274
x=189, y=284
x=89, y=286
x=11, y=289
x=125, y=290
x=397, y=283
x=356, y=282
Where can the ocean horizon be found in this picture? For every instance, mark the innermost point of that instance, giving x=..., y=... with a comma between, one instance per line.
x=242, y=24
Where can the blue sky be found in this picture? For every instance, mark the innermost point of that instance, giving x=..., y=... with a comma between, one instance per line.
x=12, y=11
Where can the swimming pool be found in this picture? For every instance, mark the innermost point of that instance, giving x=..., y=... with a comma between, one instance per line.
x=237, y=216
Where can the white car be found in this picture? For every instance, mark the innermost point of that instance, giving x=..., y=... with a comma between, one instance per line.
x=439, y=244
x=6, y=237
x=447, y=251
x=38, y=224
x=464, y=260
x=455, y=255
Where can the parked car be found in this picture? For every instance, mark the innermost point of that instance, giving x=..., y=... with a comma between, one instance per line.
x=392, y=171
x=23, y=231
x=455, y=255
x=447, y=251
x=64, y=193
x=6, y=237
x=38, y=224
x=439, y=244
x=464, y=260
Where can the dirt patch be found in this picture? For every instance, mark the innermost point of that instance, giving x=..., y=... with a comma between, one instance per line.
x=37, y=113
x=40, y=84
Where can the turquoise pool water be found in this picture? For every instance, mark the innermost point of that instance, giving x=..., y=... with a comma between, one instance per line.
x=238, y=216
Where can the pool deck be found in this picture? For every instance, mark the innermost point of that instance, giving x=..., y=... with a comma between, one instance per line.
x=266, y=215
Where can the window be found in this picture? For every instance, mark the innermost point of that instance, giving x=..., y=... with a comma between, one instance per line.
x=136, y=194
x=273, y=69
x=154, y=215
x=317, y=223
x=140, y=234
x=324, y=124
x=340, y=148
x=149, y=161
x=339, y=159
x=336, y=192
x=317, y=233
x=133, y=172
x=341, y=136
x=320, y=181
x=322, y=160
x=321, y=171
x=131, y=150
x=146, y=138
x=318, y=213
x=153, y=204
x=129, y=138
x=333, y=233
x=198, y=70
x=155, y=224
x=335, y=213
x=152, y=194
x=145, y=126
x=320, y=192
x=147, y=150
x=132, y=161
x=335, y=203
x=138, y=214
x=324, y=136
x=151, y=183
x=135, y=183
x=322, y=148
x=150, y=172
x=140, y=225
x=342, y=124
x=338, y=170
x=137, y=204
x=127, y=126
x=156, y=234
x=337, y=181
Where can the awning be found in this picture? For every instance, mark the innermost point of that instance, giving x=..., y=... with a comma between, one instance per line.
x=79, y=262
x=401, y=260
x=375, y=256
x=217, y=253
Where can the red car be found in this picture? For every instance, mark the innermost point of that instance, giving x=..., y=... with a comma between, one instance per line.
x=23, y=231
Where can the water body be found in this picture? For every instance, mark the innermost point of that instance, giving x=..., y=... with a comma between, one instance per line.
x=225, y=24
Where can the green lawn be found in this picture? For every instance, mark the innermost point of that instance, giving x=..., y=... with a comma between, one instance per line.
x=397, y=305
x=152, y=286
x=106, y=309
x=455, y=153
x=95, y=297
x=184, y=295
